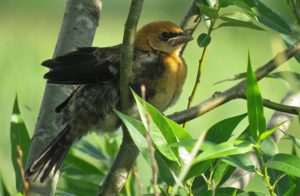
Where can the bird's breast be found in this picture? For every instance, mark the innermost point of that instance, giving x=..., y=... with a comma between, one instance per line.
x=169, y=85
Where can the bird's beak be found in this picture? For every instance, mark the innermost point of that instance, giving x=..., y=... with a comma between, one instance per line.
x=180, y=39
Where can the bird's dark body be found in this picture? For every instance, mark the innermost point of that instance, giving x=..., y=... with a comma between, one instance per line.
x=96, y=71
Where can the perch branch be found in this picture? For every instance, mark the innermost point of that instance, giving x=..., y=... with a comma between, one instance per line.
x=77, y=30
x=128, y=152
x=237, y=91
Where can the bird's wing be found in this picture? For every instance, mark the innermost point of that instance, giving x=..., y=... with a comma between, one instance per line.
x=84, y=66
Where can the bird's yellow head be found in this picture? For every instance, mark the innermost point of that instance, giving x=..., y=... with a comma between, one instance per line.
x=163, y=36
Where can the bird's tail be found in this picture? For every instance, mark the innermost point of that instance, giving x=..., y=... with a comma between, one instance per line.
x=52, y=156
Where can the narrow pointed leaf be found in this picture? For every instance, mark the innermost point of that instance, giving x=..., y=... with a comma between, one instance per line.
x=19, y=137
x=256, y=117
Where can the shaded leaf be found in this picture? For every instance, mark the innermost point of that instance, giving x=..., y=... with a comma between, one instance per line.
x=239, y=3
x=286, y=163
x=198, y=169
x=268, y=17
x=269, y=147
x=208, y=11
x=228, y=191
x=203, y=40
x=137, y=132
x=222, y=131
x=19, y=137
x=240, y=161
x=232, y=22
x=256, y=117
x=219, y=172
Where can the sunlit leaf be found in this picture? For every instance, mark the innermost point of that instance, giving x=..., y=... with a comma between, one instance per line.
x=256, y=117
x=159, y=129
x=223, y=150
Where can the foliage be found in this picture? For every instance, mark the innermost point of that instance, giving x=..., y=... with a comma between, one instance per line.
x=192, y=166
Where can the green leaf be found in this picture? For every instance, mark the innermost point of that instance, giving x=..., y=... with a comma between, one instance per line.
x=19, y=137
x=290, y=192
x=3, y=187
x=269, y=147
x=77, y=185
x=165, y=171
x=256, y=117
x=208, y=11
x=181, y=134
x=232, y=22
x=203, y=40
x=286, y=163
x=228, y=191
x=137, y=132
x=223, y=150
x=240, y=161
x=239, y=3
x=219, y=172
x=81, y=163
x=198, y=169
x=225, y=127
x=270, y=132
x=160, y=131
x=269, y=17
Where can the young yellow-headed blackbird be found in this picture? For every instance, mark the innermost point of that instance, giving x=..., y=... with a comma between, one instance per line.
x=157, y=65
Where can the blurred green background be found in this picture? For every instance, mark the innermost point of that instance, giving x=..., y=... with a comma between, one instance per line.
x=28, y=33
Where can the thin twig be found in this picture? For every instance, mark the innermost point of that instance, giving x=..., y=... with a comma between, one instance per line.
x=200, y=65
x=22, y=173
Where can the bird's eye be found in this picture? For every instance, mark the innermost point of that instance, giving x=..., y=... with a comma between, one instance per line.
x=165, y=35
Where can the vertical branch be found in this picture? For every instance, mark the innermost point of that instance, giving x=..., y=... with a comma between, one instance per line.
x=128, y=152
x=127, y=51
x=78, y=29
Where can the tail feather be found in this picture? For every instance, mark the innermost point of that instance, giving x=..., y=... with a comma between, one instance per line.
x=52, y=156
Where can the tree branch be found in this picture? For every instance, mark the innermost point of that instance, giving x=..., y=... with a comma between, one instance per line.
x=237, y=91
x=77, y=30
x=128, y=152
